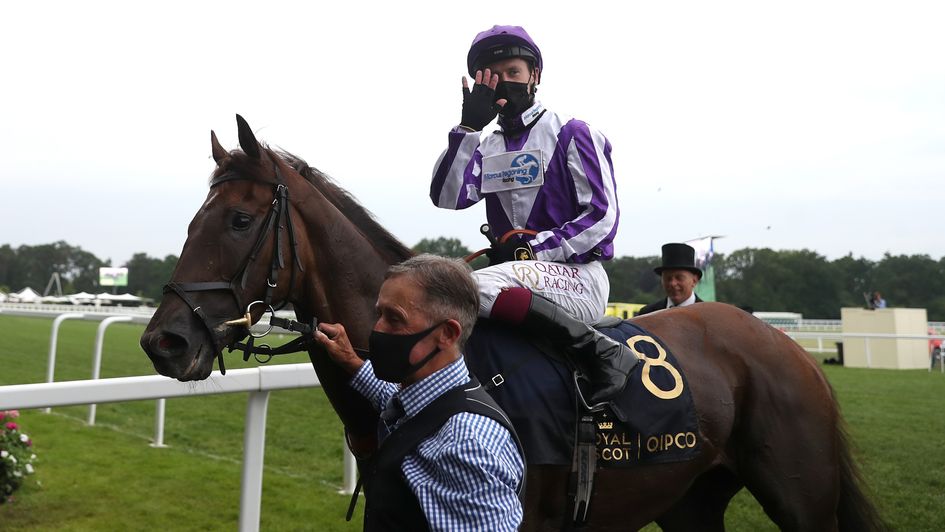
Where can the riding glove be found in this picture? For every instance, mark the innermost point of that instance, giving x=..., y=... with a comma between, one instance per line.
x=511, y=249
x=478, y=107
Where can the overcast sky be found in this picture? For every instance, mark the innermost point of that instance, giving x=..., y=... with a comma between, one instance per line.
x=815, y=125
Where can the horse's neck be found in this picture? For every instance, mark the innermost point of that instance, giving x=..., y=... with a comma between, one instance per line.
x=343, y=271
x=342, y=275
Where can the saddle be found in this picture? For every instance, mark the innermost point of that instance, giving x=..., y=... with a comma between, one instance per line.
x=653, y=421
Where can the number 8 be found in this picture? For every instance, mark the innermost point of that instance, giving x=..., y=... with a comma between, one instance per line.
x=659, y=361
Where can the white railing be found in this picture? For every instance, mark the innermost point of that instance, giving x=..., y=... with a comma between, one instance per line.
x=829, y=325
x=256, y=409
x=258, y=382
x=91, y=312
x=54, y=309
x=820, y=336
x=809, y=325
x=106, y=320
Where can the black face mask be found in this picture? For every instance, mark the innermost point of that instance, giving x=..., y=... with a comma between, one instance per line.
x=518, y=96
x=390, y=354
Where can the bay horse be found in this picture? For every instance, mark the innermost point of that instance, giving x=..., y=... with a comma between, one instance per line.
x=766, y=414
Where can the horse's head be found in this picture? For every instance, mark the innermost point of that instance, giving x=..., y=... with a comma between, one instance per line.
x=240, y=257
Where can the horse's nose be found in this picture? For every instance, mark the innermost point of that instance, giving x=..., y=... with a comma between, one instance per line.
x=162, y=346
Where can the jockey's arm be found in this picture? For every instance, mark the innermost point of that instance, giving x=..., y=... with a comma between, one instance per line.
x=589, y=236
x=457, y=175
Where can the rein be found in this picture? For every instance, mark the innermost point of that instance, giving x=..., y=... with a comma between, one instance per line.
x=216, y=328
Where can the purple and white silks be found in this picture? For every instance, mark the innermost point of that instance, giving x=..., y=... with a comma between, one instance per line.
x=581, y=290
x=575, y=211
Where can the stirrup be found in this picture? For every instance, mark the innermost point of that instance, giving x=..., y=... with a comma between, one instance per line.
x=580, y=395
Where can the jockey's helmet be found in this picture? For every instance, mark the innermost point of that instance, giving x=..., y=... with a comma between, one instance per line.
x=502, y=42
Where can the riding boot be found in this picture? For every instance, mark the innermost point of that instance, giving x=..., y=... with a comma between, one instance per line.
x=607, y=362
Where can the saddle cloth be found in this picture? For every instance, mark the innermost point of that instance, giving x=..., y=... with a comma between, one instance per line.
x=536, y=390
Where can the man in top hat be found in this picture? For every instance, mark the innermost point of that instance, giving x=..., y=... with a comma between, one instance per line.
x=679, y=275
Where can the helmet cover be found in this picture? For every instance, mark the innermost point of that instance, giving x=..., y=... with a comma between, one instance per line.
x=501, y=42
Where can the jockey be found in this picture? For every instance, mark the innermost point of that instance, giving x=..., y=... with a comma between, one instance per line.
x=550, y=176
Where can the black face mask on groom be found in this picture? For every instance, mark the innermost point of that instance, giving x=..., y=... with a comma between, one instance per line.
x=390, y=354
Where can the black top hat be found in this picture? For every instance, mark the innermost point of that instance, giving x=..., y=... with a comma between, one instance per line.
x=679, y=257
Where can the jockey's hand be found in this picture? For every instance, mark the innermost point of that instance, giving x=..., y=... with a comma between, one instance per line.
x=511, y=249
x=479, y=105
x=335, y=340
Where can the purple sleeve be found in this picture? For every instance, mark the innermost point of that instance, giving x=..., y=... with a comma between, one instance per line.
x=457, y=175
x=589, y=236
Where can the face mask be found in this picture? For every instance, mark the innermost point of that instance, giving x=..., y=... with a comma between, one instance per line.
x=518, y=96
x=390, y=354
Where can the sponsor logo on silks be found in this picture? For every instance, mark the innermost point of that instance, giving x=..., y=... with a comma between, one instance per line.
x=539, y=276
x=529, y=164
x=536, y=110
x=523, y=168
x=512, y=170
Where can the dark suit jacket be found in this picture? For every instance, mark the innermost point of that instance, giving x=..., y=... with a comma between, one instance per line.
x=659, y=305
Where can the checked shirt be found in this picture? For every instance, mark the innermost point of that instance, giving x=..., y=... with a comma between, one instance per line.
x=466, y=475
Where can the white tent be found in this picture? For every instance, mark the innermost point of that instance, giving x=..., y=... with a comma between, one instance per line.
x=103, y=298
x=54, y=299
x=82, y=298
x=126, y=297
x=27, y=295
x=3, y=297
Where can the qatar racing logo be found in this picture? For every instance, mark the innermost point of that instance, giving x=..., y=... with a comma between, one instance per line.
x=525, y=168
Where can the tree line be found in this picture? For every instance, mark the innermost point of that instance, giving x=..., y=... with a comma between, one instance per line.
x=33, y=266
x=764, y=279
x=779, y=280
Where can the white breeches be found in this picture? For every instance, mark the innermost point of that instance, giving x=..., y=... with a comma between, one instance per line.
x=581, y=289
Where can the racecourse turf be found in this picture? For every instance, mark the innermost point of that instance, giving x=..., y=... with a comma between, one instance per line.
x=107, y=477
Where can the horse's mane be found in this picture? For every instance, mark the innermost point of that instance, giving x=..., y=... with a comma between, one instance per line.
x=382, y=240
x=362, y=218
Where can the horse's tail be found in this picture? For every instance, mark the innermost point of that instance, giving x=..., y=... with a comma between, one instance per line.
x=855, y=510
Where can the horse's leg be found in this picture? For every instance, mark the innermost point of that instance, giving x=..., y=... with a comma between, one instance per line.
x=766, y=403
x=624, y=499
x=798, y=488
x=703, y=506
x=546, y=502
x=788, y=452
x=629, y=499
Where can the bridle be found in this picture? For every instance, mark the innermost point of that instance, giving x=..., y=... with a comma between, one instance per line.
x=272, y=225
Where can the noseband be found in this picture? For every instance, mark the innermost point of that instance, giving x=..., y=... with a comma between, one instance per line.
x=272, y=225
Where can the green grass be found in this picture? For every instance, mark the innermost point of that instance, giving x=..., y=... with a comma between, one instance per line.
x=107, y=477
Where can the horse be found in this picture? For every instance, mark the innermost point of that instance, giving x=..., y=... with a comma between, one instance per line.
x=767, y=417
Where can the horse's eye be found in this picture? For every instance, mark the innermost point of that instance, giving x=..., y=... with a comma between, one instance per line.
x=241, y=221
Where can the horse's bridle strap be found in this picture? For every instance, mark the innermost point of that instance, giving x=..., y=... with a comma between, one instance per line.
x=199, y=287
x=181, y=290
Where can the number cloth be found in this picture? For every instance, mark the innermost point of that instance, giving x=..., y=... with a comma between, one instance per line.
x=536, y=392
x=466, y=476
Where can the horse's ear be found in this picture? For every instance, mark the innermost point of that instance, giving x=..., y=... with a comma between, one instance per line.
x=218, y=152
x=247, y=140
